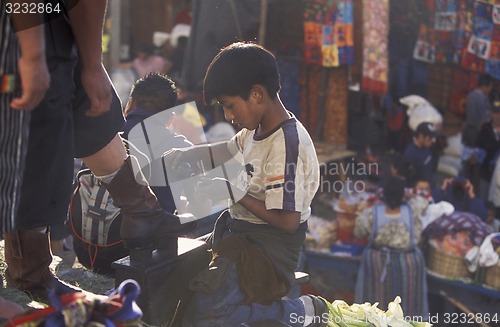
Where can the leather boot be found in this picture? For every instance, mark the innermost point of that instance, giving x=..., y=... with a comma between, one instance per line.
x=144, y=224
x=28, y=257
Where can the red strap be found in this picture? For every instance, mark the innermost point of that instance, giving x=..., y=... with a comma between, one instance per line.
x=38, y=314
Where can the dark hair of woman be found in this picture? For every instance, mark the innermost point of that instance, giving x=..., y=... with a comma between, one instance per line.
x=394, y=190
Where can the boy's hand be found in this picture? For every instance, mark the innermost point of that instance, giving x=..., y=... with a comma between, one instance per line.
x=470, y=189
x=178, y=164
x=447, y=182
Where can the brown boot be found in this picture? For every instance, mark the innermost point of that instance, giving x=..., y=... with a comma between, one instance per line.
x=144, y=224
x=28, y=257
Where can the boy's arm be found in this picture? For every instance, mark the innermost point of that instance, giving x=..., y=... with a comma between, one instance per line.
x=285, y=220
x=86, y=19
x=207, y=156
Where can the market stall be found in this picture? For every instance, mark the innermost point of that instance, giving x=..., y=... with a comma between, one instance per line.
x=462, y=258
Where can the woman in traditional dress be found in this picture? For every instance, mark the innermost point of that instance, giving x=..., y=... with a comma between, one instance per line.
x=392, y=264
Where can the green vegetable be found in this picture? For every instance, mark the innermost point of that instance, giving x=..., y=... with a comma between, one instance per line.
x=368, y=315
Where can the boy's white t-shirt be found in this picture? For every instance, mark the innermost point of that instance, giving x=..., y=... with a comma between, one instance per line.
x=282, y=169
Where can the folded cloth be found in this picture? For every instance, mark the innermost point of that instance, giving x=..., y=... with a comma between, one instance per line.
x=259, y=280
x=84, y=309
x=435, y=211
x=483, y=256
x=456, y=222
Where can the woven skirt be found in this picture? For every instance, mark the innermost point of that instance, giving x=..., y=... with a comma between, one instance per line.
x=386, y=273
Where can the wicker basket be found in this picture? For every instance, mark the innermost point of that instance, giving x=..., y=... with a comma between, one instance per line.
x=448, y=265
x=491, y=276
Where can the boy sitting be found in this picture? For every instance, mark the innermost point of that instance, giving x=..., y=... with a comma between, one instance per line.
x=271, y=195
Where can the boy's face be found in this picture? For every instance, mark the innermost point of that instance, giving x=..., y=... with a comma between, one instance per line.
x=425, y=141
x=423, y=187
x=239, y=112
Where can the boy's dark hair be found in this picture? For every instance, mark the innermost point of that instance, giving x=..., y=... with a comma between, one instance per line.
x=155, y=92
x=417, y=178
x=484, y=80
x=457, y=189
x=394, y=190
x=236, y=68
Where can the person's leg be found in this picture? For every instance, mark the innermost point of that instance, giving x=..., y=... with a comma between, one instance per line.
x=225, y=307
x=14, y=132
x=107, y=160
x=28, y=255
x=144, y=224
x=45, y=190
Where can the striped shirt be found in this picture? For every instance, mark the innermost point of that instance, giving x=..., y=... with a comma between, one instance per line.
x=282, y=169
x=14, y=131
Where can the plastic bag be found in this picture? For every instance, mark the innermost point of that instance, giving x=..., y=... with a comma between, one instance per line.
x=419, y=111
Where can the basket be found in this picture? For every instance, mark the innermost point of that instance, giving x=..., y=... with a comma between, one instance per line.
x=448, y=265
x=490, y=276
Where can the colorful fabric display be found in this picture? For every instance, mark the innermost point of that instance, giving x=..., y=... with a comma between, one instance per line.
x=375, y=46
x=425, y=49
x=463, y=32
x=328, y=32
x=78, y=309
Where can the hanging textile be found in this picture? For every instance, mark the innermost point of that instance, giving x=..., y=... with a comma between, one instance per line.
x=463, y=32
x=478, y=45
x=493, y=63
x=445, y=22
x=464, y=28
x=328, y=32
x=375, y=46
x=437, y=37
x=425, y=49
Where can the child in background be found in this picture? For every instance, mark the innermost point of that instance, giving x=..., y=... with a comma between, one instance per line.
x=419, y=151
